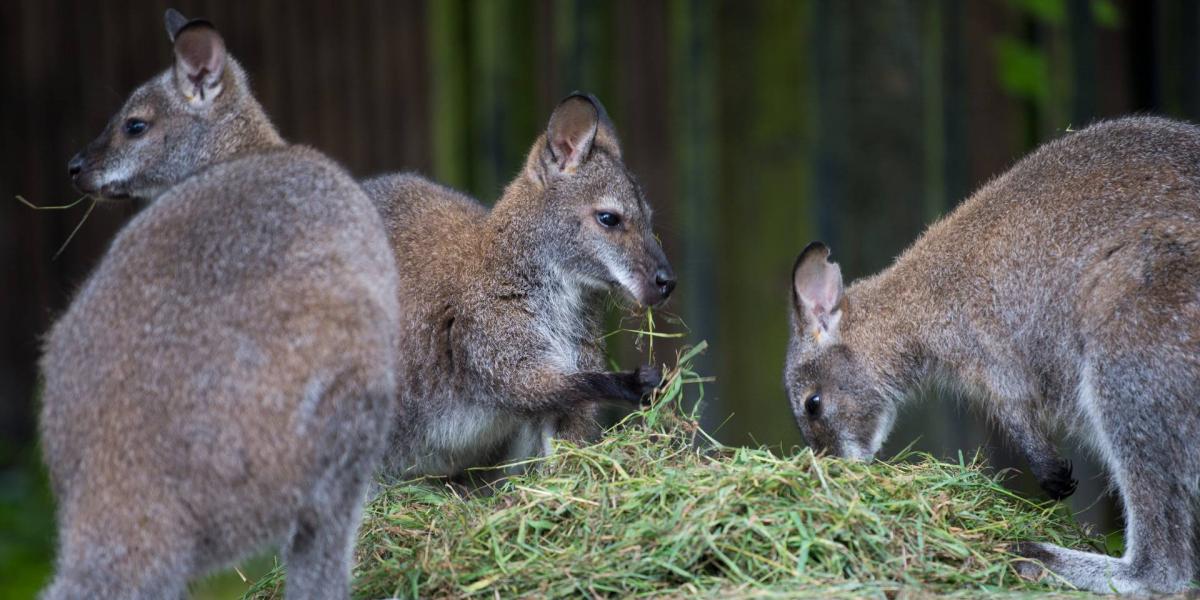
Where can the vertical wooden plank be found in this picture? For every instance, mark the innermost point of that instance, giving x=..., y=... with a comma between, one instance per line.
x=994, y=135
x=640, y=109
x=582, y=43
x=297, y=50
x=1113, y=81
x=1143, y=53
x=1053, y=116
x=763, y=177
x=693, y=93
x=1189, y=60
x=410, y=99
x=502, y=113
x=269, y=42
x=955, y=105
x=19, y=237
x=351, y=40
x=1175, y=58
x=829, y=118
x=448, y=51
x=1082, y=34
x=933, y=95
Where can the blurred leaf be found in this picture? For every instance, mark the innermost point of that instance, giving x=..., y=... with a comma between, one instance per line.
x=26, y=529
x=1024, y=72
x=1106, y=13
x=1053, y=12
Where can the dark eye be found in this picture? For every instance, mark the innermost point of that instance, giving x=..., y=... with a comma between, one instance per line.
x=608, y=219
x=812, y=406
x=135, y=127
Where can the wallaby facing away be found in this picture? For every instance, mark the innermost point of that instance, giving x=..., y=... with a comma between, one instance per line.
x=1062, y=294
x=223, y=380
x=500, y=308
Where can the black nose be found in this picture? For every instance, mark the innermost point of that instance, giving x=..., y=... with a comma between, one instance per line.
x=665, y=280
x=75, y=165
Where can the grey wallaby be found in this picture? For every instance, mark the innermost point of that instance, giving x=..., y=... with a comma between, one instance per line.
x=500, y=307
x=223, y=380
x=1063, y=294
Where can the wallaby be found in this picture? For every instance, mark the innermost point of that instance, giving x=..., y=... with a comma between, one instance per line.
x=500, y=308
x=223, y=381
x=1062, y=294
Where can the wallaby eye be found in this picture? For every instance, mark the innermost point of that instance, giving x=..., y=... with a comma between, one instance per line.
x=608, y=219
x=135, y=127
x=812, y=406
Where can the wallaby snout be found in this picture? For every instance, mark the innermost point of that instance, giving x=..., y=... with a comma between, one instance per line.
x=660, y=281
x=75, y=165
x=88, y=175
x=664, y=279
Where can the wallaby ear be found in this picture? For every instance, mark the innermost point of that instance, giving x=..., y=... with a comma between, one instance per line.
x=571, y=131
x=175, y=22
x=577, y=126
x=817, y=292
x=606, y=133
x=199, y=58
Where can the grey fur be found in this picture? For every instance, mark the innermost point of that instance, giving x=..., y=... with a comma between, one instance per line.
x=223, y=381
x=500, y=308
x=1062, y=294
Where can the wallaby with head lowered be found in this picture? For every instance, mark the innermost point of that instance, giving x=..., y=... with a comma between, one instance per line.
x=1063, y=294
x=223, y=380
x=500, y=308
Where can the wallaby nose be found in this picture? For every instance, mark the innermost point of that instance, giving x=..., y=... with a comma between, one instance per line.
x=75, y=166
x=665, y=280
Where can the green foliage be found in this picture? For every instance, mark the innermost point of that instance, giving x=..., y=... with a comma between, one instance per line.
x=1106, y=14
x=659, y=508
x=26, y=527
x=1024, y=67
x=1053, y=12
x=1024, y=72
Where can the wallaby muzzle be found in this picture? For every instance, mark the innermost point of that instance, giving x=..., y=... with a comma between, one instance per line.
x=664, y=279
x=88, y=179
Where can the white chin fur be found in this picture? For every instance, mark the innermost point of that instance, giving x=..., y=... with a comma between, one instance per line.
x=851, y=450
x=628, y=282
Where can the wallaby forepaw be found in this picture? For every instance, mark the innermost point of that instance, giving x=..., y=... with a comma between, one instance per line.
x=1033, y=557
x=1059, y=484
x=647, y=378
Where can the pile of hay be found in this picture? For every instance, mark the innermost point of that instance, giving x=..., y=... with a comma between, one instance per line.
x=657, y=508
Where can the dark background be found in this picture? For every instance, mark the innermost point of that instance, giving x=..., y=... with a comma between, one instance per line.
x=754, y=126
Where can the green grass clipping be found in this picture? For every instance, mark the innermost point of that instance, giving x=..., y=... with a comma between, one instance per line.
x=660, y=509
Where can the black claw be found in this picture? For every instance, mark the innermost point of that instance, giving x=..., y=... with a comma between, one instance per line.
x=1059, y=484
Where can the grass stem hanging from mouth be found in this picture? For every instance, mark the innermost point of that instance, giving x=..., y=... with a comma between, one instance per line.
x=70, y=237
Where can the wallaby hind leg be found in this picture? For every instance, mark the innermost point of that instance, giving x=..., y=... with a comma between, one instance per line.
x=120, y=551
x=319, y=554
x=1144, y=427
x=320, y=550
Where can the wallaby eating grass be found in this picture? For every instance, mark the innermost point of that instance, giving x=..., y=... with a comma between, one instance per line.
x=223, y=380
x=1063, y=294
x=500, y=308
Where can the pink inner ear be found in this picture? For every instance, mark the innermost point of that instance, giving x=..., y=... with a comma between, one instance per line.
x=201, y=53
x=565, y=150
x=818, y=287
